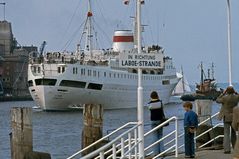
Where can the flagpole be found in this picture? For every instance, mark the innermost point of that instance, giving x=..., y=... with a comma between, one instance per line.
x=229, y=43
x=4, y=17
x=140, y=88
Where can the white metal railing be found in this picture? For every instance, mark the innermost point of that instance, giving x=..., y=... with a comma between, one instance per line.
x=126, y=143
x=196, y=137
x=175, y=132
x=100, y=152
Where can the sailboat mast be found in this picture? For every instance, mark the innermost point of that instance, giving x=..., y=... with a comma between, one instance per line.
x=184, y=90
x=229, y=43
x=88, y=44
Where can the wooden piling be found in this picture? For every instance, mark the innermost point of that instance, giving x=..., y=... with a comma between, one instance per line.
x=21, y=136
x=93, y=126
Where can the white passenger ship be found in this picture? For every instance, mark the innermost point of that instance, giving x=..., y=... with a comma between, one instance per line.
x=58, y=81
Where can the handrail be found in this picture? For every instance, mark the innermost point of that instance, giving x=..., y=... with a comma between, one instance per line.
x=210, y=118
x=161, y=125
x=127, y=146
x=219, y=124
x=101, y=149
x=173, y=132
x=105, y=137
x=219, y=136
x=204, y=121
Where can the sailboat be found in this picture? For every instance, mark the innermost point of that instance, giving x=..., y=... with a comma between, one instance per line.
x=183, y=86
x=60, y=80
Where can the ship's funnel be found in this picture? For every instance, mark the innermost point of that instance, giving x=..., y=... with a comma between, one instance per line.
x=123, y=40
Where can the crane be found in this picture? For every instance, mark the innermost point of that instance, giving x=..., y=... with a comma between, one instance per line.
x=43, y=45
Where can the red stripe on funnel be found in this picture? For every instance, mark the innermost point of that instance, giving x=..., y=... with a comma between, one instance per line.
x=123, y=39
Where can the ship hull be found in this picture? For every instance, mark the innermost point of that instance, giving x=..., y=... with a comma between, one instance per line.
x=113, y=93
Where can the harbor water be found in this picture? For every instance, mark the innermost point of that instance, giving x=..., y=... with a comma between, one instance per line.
x=59, y=133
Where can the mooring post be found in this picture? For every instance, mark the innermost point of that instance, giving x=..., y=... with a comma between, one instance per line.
x=93, y=126
x=21, y=136
x=204, y=109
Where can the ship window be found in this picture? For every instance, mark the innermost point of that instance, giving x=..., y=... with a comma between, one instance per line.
x=58, y=69
x=105, y=74
x=82, y=71
x=94, y=73
x=39, y=69
x=30, y=83
x=69, y=83
x=98, y=74
x=76, y=70
x=63, y=69
x=73, y=70
x=45, y=81
x=114, y=75
x=95, y=86
x=33, y=69
x=144, y=72
x=89, y=72
x=134, y=71
x=110, y=74
x=165, y=82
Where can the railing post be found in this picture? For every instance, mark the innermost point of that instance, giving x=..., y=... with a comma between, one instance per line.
x=122, y=147
x=176, y=137
x=102, y=155
x=114, y=151
x=135, y=142
x=129, y=143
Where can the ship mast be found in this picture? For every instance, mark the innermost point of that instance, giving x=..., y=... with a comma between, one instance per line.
x=88, y=44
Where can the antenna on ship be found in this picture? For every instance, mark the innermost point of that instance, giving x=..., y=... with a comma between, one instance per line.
x=212, y=68
x=4, y=15
x=88, y=44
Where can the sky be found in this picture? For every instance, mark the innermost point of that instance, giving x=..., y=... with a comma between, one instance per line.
x=190, y=31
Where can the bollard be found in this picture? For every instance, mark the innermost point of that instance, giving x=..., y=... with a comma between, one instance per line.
x=21, y=136
x=93, y=126
x=204, y=109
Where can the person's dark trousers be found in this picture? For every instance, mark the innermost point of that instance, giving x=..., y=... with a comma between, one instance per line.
x=189, y=143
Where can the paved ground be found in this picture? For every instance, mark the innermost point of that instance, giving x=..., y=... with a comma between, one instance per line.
x=208, y=154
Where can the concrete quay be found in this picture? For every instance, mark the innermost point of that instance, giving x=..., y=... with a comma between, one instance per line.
x=207, y=154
